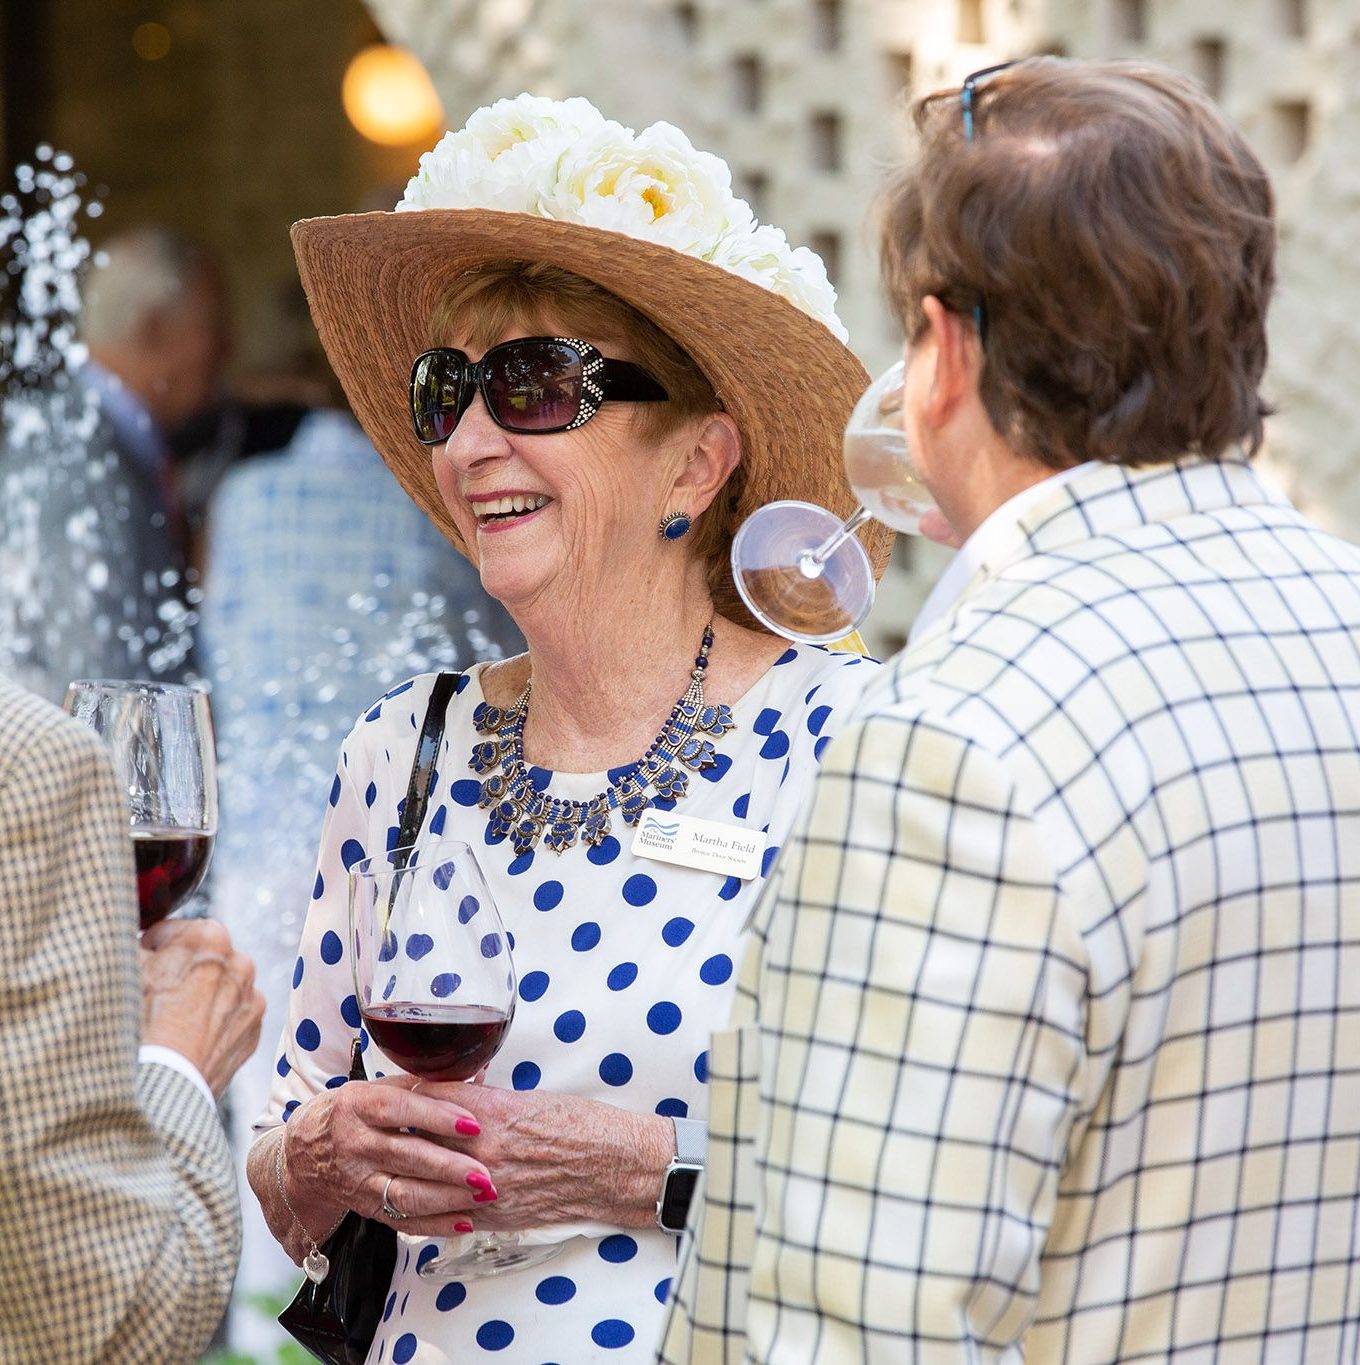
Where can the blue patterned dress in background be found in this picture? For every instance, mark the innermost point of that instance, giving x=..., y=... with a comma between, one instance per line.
x=625, y=967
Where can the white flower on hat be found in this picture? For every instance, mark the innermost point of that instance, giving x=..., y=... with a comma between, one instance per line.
x=563, y=159
x=655, y=185
x=765, y=257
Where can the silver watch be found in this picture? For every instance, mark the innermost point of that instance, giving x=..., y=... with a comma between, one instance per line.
x=677, y=1185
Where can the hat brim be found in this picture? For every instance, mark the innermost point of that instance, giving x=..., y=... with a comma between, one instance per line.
x=373, y=281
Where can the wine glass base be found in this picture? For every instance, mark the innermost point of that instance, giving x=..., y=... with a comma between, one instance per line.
x=770, y=568
x=487, y=1258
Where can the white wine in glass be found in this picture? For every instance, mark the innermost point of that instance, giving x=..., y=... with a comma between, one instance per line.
x=798, y=567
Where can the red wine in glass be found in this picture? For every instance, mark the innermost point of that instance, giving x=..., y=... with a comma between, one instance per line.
x=439, y=1042
x=170, y=865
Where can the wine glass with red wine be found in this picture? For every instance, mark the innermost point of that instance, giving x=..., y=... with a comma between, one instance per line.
x=161, y=740
x=435, y=984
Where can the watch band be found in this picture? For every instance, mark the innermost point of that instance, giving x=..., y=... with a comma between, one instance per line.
x=691, y=1141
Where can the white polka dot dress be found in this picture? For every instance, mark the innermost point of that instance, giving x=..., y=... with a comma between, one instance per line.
x=625, y=966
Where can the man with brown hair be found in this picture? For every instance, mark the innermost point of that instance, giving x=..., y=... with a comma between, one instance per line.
x=1048, y=1046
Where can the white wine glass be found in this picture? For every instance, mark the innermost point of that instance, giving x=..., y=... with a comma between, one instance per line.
x=435, y=984
x=802, y=570
x=160, y=737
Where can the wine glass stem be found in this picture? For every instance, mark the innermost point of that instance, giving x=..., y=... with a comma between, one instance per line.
x=811, y=563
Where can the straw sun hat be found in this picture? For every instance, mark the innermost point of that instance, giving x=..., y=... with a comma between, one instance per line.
x=644, y=216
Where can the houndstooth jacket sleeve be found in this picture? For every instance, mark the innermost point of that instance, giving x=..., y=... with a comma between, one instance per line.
x=119, y=1218
x=1046, y=1046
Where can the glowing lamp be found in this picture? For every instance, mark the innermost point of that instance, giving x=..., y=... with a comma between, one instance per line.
x=388, y=97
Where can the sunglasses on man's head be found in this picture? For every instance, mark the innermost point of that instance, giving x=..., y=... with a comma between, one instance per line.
x=530, y=385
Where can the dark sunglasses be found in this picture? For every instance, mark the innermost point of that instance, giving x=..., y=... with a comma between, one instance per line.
x=531, y=384
x=967, y=101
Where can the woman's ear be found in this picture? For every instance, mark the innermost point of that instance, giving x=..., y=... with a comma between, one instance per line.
x=714, y=453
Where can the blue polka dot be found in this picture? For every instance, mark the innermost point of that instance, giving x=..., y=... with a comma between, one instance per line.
x=622, y=976
x=297, y=973
x=731, y=888
x=787, y=657
x=282, y=1066
x=555, y=1289
x=467, y=792
x=586, y=936
x=618, y=1248
x=450, y=1296
x=418, y=946
x=776, y=746
x=495, y=1335
x=387, y=950
x=766, y=721
x=351, y=852
x=663, y=1017
x=336, y=1082
x=308, y=1036
x=605, y=852
x=318, y=887
x=390, y=1305
x=663, y=803
x=331, y=948
x=673, y=1109
x=639, y=889
x=491, y=945
x=370, y=793
x=741, y=805
x=767, y=860
x=716, y=970
x=663, y=1287
x=389, y=988
x=373, y=715
x=611, y=1334
x=521, y=864
x=539, y=778
x=569, y=1026
x=437, y=820
x=349, y=1011
x=426, y=1253
x=532, y=985
x=701, y=1068
x=399, y=689
x=445, y=984
x=820, y=746
x=677, y=930
x=393, y=837
x=442, y=876
x=548, y=896
x=463, y=680
x=288, y=1109
x=816, y=719
x=467, y=907
x=525, y=1076
x=335, y=790
x=616, y=1069
x=721, y=763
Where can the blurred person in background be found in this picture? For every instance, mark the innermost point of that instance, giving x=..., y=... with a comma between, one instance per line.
x=95, y=544
x=323, y=585
x=119, y=1217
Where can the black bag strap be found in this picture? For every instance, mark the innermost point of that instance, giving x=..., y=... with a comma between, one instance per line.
x=417, y=800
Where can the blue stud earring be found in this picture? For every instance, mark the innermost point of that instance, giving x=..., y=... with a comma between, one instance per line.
x=673, y=525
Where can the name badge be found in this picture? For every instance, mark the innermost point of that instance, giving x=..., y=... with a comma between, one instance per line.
x=708, y=845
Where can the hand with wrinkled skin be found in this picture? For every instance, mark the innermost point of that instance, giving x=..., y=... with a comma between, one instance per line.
x=199, y=997
x=558, y=1158
x=340, y=1148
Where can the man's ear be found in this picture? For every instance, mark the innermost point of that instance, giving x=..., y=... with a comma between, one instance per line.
x=714, y=454
x=957, y=361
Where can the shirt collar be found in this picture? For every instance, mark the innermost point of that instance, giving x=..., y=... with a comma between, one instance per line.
x=973, y=553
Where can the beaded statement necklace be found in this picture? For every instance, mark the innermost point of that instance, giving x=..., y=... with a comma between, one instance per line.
x=524, y=814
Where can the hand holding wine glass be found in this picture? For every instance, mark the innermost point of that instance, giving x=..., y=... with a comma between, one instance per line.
x=161, y=740
x=799, y=568
x=436, y=986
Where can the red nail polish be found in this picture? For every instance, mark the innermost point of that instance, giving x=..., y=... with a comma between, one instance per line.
x=462, y=1226
x=468, y=1127
x=485, y=1197
x=478, y=1181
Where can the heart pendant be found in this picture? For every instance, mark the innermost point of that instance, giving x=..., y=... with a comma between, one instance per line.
x=315, y=1264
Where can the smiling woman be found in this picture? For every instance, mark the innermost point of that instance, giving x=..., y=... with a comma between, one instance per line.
x=580, y=398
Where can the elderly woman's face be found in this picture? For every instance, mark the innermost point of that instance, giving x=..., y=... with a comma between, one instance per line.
x=563, y=512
